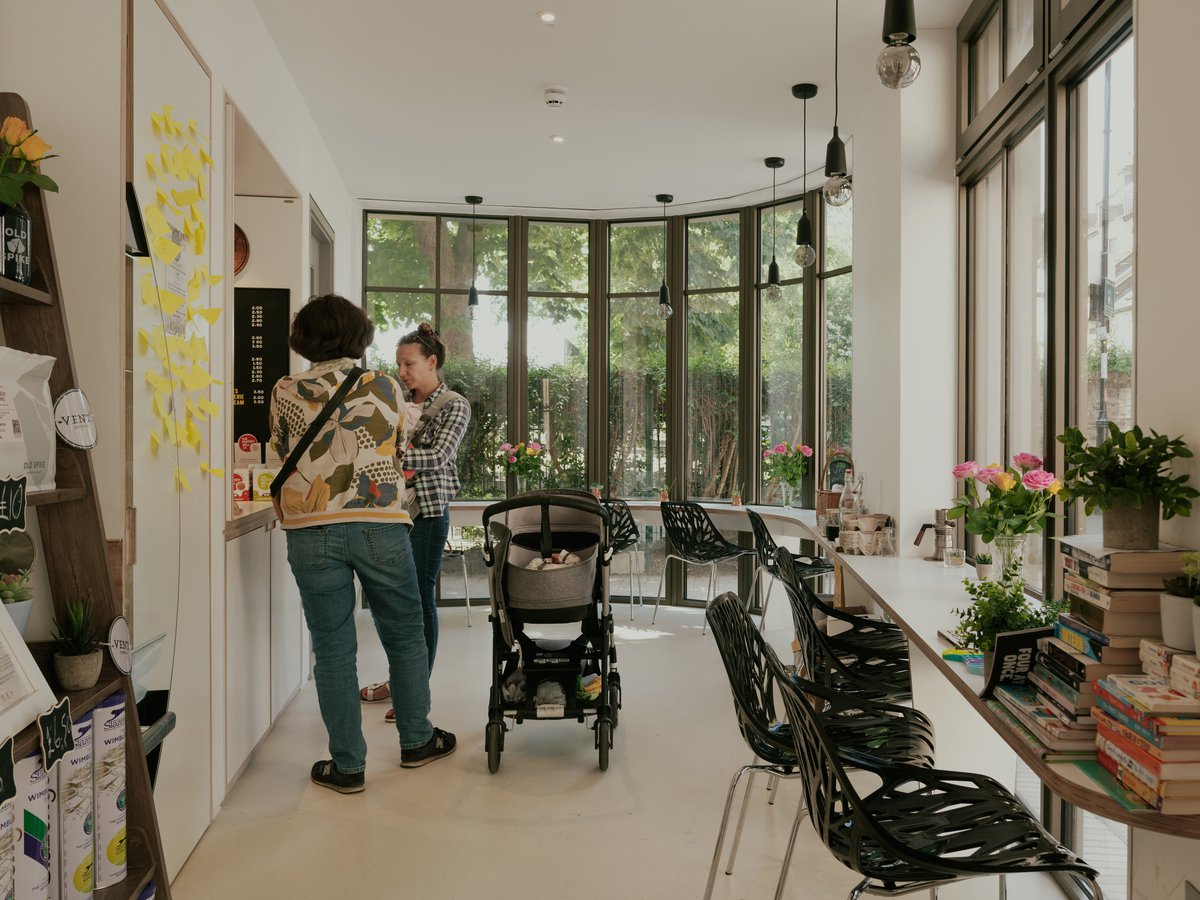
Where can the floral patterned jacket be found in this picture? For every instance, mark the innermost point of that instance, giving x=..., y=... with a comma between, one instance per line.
x=348, y=473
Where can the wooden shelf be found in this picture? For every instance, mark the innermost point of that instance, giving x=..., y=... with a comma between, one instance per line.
x=139, y=871
x=44, y=498
x=15, y=292
x=111, y=681
x=248, y=522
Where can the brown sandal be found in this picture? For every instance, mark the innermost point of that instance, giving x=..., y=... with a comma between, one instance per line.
x=390, y=716
x=374, y=693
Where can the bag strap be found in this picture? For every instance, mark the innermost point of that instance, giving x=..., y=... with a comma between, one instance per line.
x=427, y=416
x=289, y=464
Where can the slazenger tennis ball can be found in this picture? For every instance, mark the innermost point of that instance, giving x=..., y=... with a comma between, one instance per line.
x=31, y=830
x=7, y=861
x=108, y=752
x=72, y=821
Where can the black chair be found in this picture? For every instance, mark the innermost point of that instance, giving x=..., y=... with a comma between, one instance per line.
x=624, y=536
x=868, y=660
x=765, y=547
x=921, y=827
x=696, y=541
x=892, y=732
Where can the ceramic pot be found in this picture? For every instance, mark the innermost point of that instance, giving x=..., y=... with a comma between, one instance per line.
x=16, y=260
x=19, y=612
x=1176, y=614
x=1129, y=528
x=983, y=571
x=78, y=673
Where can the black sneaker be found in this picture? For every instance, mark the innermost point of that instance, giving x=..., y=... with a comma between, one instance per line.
x=326, y=774
x=441, y=744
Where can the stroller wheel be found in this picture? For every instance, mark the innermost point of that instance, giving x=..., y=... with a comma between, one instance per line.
x=604, y=741
x=493, y=738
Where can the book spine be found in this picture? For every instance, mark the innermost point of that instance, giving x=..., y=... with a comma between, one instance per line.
x=1124, y=712
x=1185, y=665
x=1077, y=640
x=1075, y=553
x=1147, y=745
x=1063, y=674
x=1127, y=778
x=1126, y=760
x=1066, y=713
x=1069, y=661
x=1046, y=681
x=1077, y=624
x=1185, y=684
x=1078, y=587
x=1027, y=736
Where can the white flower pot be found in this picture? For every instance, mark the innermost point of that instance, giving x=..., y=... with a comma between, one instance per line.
x=19, y=612
x=983, y=571
x=1176, y=613
x=1195, y=625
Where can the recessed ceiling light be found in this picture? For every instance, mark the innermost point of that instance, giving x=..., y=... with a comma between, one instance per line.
x=547, y=16
x=557, y=138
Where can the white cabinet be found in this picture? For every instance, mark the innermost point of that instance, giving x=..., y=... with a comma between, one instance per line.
x=248, y=670
x=287, y=628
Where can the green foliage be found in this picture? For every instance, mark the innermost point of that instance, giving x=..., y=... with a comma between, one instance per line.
x=1128, y=467
x=77, y=635
x=983, y=559
x=999, y=606
x=1187, y=584
x=15, y=587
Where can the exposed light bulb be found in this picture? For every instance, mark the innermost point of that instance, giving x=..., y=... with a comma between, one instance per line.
x=471, y=312
x=898, y=66
x=664, y=311
x=774, y=293
x=805, y=256
x=837, y=190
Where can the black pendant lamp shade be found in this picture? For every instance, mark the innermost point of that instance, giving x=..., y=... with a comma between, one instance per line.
x=898, y=64
x=899, y=22
x=664, y=293
x=835, y=156
x=837, y=189
x=774, y=291
x=473, y=294
x=805, y=255
x=804, y=235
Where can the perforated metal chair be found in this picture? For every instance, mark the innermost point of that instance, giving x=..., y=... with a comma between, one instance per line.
x=624, y=536
x=456, y=548
x=765, y=547
x=893, y=732
x=921, y=827
x=696, y=541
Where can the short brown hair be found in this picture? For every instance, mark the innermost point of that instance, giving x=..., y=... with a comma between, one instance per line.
x=429, y=342
x=331, y=327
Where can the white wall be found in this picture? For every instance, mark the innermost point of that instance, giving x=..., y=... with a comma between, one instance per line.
x=1168, y=315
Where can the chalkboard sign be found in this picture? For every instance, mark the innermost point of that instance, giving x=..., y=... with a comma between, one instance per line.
x=54, y=727
x=261, y=322
x=8, y=784
x=12, y=504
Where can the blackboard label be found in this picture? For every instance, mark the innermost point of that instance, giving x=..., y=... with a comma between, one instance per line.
x=12, y=504
x=261, y=322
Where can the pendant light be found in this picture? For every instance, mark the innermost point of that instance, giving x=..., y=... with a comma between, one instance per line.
x=899, y=64
x=664, y=295
x=774, y=291
x=473, y=294
x=805, y=254
x=837, y=189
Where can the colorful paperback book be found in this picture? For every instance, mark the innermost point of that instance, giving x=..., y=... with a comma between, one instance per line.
x=1083, y=643
x=1150, y=648
x=1189, y=687
x=1155, y=770
x=1147, y=745
x=1081, y=720
x=1153, y=695
x=1137, y=581
x=1110, y=640
x=1185, y=664
x=1117, y=624
x=1103, y=774
x=1153, y=726
x=1058, y=670
x=1023, y=701
x=1078, y=664
x=1032, y=742
x=1090, y=549
x=1117, y=601
x=1062, y=694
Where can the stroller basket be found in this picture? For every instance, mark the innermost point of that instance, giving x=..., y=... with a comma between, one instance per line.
x=549, y=589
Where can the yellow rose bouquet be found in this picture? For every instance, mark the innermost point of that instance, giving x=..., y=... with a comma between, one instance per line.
x=21, y=152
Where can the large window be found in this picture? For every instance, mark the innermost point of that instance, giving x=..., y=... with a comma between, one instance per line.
x=837, y=287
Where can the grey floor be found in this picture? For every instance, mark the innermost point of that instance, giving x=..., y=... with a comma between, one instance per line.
x=549, y=824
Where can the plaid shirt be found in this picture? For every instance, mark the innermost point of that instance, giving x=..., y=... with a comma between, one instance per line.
x=432, y=459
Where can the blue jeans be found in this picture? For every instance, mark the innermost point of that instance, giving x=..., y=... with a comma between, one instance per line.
x=428, y=542
x=325, y=559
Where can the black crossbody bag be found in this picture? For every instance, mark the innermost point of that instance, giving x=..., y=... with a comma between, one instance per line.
x=310, y=435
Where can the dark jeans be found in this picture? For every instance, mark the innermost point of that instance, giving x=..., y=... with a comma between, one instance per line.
x=428, y=539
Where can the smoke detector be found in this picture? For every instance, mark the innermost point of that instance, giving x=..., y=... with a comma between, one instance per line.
x=555, y=96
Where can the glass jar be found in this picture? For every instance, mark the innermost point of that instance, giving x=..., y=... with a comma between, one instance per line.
x=887, y=542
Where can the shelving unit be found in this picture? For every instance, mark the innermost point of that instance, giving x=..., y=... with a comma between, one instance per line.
x=73, y=542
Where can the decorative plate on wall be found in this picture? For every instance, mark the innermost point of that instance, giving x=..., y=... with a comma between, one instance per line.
x=241, y=250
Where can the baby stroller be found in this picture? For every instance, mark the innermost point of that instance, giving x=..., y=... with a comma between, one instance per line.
x=547, y=554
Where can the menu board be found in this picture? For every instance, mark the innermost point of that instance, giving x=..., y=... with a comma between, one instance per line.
x=261, y=322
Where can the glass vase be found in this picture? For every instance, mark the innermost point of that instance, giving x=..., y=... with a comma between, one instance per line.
x=1009, y=556
x=796, y=501
x=786, y=492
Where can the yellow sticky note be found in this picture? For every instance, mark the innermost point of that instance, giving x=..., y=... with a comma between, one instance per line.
x=198, y=349
x=149, y=291
x=166, y=249
x=193, y=411
x=205, y=158
x=186, y=198
x=198, y=238
x=152, y=164
x=187, y=227
x=201, y=188
x=217, y=473
x=215, y=279
x=193, y=434
x=143, y=341
x=169, y=430
x=210, y=314
x=181, y=479
x=162, y=406
x=208, y=406
x=171, y=302
x=154, y=442
x=176, y=344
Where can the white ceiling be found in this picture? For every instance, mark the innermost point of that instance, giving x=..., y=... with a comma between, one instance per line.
x=423, y=102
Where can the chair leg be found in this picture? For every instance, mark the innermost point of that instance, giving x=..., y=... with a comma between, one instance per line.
x=858, y=890
x=712, y=869
x=1097, y=894
x=638, y=573
x=631, y=559
x=712, y=583
x=766, y=602
x=774, y=790
x=737, y=834
x=787, y=856
x=658, y=594
x=466, y=588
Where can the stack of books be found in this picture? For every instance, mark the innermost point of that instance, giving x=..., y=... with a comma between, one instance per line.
x=1058, y=735
x=1148, y=737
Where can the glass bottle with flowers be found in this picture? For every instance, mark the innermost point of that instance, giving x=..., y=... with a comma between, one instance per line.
x=787, y=464
x=1003, y=505
x=524, y=460
x=21, y=152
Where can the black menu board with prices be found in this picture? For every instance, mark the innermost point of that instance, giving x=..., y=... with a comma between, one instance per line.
x=261, y=320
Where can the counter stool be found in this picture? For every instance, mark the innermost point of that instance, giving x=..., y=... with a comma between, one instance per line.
x=624, y=536
x=765, y=547
x=456, y=548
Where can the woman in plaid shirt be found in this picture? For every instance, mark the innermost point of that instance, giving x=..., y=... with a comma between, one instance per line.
x=429, y=467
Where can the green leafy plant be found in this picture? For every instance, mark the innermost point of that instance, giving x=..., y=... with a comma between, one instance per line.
x=1128, y=467
x=15, y=587
x=999, y=606
x=76, y=636
x=983, y=559
x=1187, y=584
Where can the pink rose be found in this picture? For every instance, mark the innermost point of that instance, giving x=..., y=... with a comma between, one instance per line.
x=766, y=454
x=534, y=445
x=512, y=459
x=781, y=448
x=1026, y=461
x=987, y=473
x=966, y=469
x=506, y=446
x=1037, y=479
x=806, y=450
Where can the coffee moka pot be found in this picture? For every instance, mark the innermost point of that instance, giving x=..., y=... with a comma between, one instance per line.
x=943, y=535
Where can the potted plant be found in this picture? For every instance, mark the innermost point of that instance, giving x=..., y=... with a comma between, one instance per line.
x=664, y=492
x=77, y=657
x=787, y=464
x=597, y=489
x=1176, y=605
x=17, y=595
x=1127, y=477
x=735, y=497
x=998, y=607
x=21, y=152
x=1003, y=505
x=983, y=566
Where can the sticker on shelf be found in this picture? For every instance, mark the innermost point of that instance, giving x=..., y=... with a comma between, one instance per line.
x=119, y=645
x=73, y=420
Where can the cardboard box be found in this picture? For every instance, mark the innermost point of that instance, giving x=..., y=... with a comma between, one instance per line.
x=241, y=485
x=260, y=482
x=247, y=452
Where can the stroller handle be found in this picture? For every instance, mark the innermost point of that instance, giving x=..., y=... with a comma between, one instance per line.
x=577, y=500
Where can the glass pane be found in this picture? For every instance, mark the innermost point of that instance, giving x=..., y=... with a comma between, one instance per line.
x=400, y=251
x=395, y=314
x=1018, y=31
x=839, y=236
x=985, y=65
x=839, y=360
x=491, y=254
x=783, y=218
x=987, y=316
x=712, y=413
x=1106, y=843
x=558, y=374
x=477, y=367
x=558, y=257
x=712, y=252
x=782, y=347
x=637, y=396
x=635, y=257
